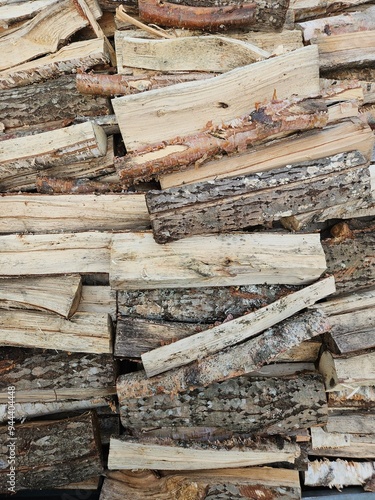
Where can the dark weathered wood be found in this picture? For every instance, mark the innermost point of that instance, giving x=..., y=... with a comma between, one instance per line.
x=231, y=362
x=267, y=16
x=361, y=397
x=235, y=203
x=52, y=185
x=242, y=404
x=50, y=454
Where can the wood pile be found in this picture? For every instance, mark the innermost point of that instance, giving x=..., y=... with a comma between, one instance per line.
x=187, y=248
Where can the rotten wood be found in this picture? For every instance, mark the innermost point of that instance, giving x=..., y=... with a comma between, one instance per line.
x=60, y=295
x=266, y=16
x=231, y=362
x=236, y=203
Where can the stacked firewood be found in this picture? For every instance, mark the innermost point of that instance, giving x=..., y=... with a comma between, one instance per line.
x=187, y=268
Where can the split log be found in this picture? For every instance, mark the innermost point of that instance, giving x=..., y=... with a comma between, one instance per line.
x=192, y=53
x=68, y=253
x=229, y=204
x=60, y=295
x=264, y=482
x=228, y=334
x=52, y=185
x=52, y=454
x=129, y=453
x=351, y=421
x=266, y=16
x=137, y=262
x=308, y=9
x=52, y=100
x=186, y=108
x=62, y=146
x=43, y=34
x=199, y=305
x=84, y=55
x=274, y=119
x=232, y=362
x=352, y=260
x=111, y=5
x=338, y=473
x=98, y=300
x=334, y=444
x=43, y=213
x=15, y=11
x=351, y=372
x=84, y=332
x=349, y=135
x=360, y=397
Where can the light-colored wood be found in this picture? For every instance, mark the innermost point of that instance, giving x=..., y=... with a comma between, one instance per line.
x=84, y=332
x=340, y=373
x=335, y=444
x=137, y=262
x=98, y=300
x=346, y=136
x=342, y=111
x=50, y=254
x=42, y=34
x=206, y=53
x=83, y=55
x=129, y=454
x=60, y=295
x=43, y=213
x=351, y=420
x=202, y=344
x=18, y=11
x=186, y=108
x=338, y=473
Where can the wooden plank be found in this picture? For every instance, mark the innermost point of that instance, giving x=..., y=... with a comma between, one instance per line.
x=84, y=332
x=53, y=453
x=60, y=295
x=202, y=344
x=129, y=454
x=229, y=204
x=85, y=55
x=312, y=145
x=338, y=473
x=169, y=112
x=138, y=262
x=51, y=254
x=43, y=213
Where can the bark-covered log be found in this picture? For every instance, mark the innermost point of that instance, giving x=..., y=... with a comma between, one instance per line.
x=51, y=453
x=242, y=404
x=274, y=119
x=232, y=362
x=229, y=204
x=52, y=185
x=266, y=16
x=338, y=473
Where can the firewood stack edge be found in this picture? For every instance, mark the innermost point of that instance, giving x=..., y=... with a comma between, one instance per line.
x=187, y=248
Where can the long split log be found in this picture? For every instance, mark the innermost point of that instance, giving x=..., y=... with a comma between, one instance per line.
x=128, y=453
x=229, y=204
x=274, y=119
x=185, y=109
x=232, y=362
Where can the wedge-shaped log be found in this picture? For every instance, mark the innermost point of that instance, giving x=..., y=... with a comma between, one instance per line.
x=35, y=255
x=350, y=135
x=273, y=119
x=127, y=453
x=60, y=294
x=185, y=109
x=83, y=55
x=228, y=204
x=342, y=372
x=266, y=16
x=137, y=262
x=194, y=53
x=84, y=332
x=42, y=34
x=210, y=341
x=338, y=473
x=336, y=444
x=269, y=483
x=53, y=453
x=231, y=362
x=44, y=213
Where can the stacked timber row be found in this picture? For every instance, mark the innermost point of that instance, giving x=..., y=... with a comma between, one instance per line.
x=187, y=260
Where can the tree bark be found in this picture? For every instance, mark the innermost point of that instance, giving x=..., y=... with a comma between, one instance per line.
x=338, y=473
x=50, y=454
x=52, y=185
x=236, y=203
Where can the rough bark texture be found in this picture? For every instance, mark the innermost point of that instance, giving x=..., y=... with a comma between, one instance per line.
x=361, y=397
x=52, y=185
x=232, y=362
x=267, y=16
x=338, y=473
x=235, y=203
x=242, y=404
x=50, y=454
